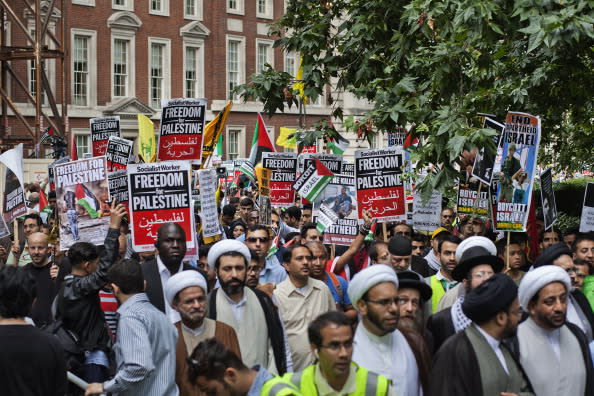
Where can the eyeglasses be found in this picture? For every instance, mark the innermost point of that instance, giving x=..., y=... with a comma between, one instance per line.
x=336, y=346
x=404, y=301
x=403, y=233
x=256, y=239
x=386, y=302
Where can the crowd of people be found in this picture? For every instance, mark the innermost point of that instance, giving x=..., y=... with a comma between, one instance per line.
x=272, y=310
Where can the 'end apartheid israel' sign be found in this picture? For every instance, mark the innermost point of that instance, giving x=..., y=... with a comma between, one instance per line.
x=159, y=193
x=380, y=188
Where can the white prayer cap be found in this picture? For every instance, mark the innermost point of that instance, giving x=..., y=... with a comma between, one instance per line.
x=475, y=241
x=181, y=280
x=368, y=278
x=538, y=278
x=225, y=246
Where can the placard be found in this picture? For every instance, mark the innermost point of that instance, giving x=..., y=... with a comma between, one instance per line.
x=181, y=130
x=482, y=167
x=426, y=215
x=284, y=172
x=101, y=130
x=587, y=219
x=118, y=187
x=547, y=195
x=118, y=153
x=13, y=202
x=208, y=180
x=159, y=193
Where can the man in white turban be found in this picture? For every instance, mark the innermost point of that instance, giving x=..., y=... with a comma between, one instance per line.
x=186, y=292
x=553, y=352
x=400, y=355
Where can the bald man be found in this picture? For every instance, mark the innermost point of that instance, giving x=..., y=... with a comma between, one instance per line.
x=47, y=277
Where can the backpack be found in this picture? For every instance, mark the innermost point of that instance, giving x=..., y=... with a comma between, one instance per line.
x=338, y=287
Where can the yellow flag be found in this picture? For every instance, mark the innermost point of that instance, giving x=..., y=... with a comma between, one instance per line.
x=147, y=142
x=213, y=130
x=285, y=139
x=298, y=85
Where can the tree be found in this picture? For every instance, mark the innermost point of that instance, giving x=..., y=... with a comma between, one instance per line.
x=432, y=65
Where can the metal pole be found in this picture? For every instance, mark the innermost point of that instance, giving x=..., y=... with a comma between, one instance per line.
x=78, y=381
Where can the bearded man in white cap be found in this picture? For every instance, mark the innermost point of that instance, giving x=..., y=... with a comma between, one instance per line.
x=399, y=355
x=186, y=292
x=553, y=352
x=250, y=312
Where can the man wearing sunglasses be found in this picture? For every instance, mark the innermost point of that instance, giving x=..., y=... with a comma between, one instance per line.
x=258, y=239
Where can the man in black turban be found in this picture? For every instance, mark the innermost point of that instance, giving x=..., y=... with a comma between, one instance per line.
x=475, y=361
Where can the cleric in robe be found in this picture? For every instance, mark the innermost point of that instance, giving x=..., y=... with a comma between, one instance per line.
x=475, y=361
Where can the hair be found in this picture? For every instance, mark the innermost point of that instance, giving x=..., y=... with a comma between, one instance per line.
x=410, y=227
x=418, y=237
x=582, y=237
x=210, y=359
x=35, y=217
x=127, y=275
x=314, y=330
x=51, y=194
x=448, y=238
x=306, y=227
x=571, y=231
x=203, y=250
x=543, y=232
x=306, y=207
x=501, y=244
x=236, y=223
x=293, y=211
x=257, y=227
x=229, y=210
x=81, y=252
x=17, y=292
x=372, y=251
x=231, y=253
x=444, y=209
x=288, y=253
x=318, y=245
x=246, y=202
x=291, y=235
x=233, y=200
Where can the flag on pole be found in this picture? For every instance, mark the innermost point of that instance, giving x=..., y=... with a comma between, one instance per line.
x=213, y=132
x=248, y=169
x=73, y=150
x=299, y=85
x=273, y=247
x=219, y=148
x=43, y=202
x=147, y=142
x=313, y=180
x=338, y=145
x=260, y=142
x=287, y=138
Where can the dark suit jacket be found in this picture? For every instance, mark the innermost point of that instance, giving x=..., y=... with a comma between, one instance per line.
x=154, y=289
x=440, y=325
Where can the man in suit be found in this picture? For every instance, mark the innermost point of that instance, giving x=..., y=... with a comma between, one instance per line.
x=171, y=248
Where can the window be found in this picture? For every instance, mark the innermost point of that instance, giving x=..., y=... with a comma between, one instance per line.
x=159, y=7
x=264, y=9
x=33, y=75
x=82, y=145
x=235, y=142
x=235, y=64
x=121, y=69
x=235, y=6
x=191, y=73
x=264, y=54
x=80, y=70
x=127, y=5
x=159, y=71
x=291, y=63
x=193, y=9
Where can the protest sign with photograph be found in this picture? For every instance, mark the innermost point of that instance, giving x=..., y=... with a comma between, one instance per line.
x=284, y=169
x=82, y=192
x=313, y=180
x=181, y=130
x=549, y=206
x=587, y=219
x=516, y=166
x=264, y=205
x=326, y=218
x=426, y=215
x=380, y=188
x=482, y=168
x=118, y=187
x=101, y=130
x=208, y=180
x=4, y=231
x=159, y=193
x=473, y=198
x=118, y=153
x=14, y=204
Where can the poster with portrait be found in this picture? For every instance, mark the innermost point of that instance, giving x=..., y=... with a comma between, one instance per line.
x=547, y=196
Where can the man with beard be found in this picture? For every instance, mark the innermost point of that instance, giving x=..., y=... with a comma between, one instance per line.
x=300, y=300
x=250, y=313
x=379, y=346
x=186, y=292
x=402, y=259
x=442, y=281
x=171, y=248
x=477, y=263
x=475, y=361
x=331, y=341
x=413, y=292
x=337, y=284
x=553, y=351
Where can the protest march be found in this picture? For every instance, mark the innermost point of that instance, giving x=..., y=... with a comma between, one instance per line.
x=156, y=268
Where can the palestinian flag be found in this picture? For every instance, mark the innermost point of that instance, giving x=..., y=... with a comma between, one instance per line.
x=313, y=180
x=248, y=169
x=273, y=247
x=260, y=142
x=88, y=200
x=47, y=133
x=338, y=145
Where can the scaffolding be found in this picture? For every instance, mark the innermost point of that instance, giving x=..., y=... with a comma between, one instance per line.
x=40, y=44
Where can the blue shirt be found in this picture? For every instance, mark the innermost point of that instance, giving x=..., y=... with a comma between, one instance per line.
x=343, y=285
x=273, y=271
x=259, y=381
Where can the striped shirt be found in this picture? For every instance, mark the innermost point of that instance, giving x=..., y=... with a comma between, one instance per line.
x=109, y=305
x=144, y=351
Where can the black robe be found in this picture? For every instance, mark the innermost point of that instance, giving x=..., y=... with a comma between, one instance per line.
x=441, y=327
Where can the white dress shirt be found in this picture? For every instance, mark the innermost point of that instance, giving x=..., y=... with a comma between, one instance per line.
x=164, y=274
